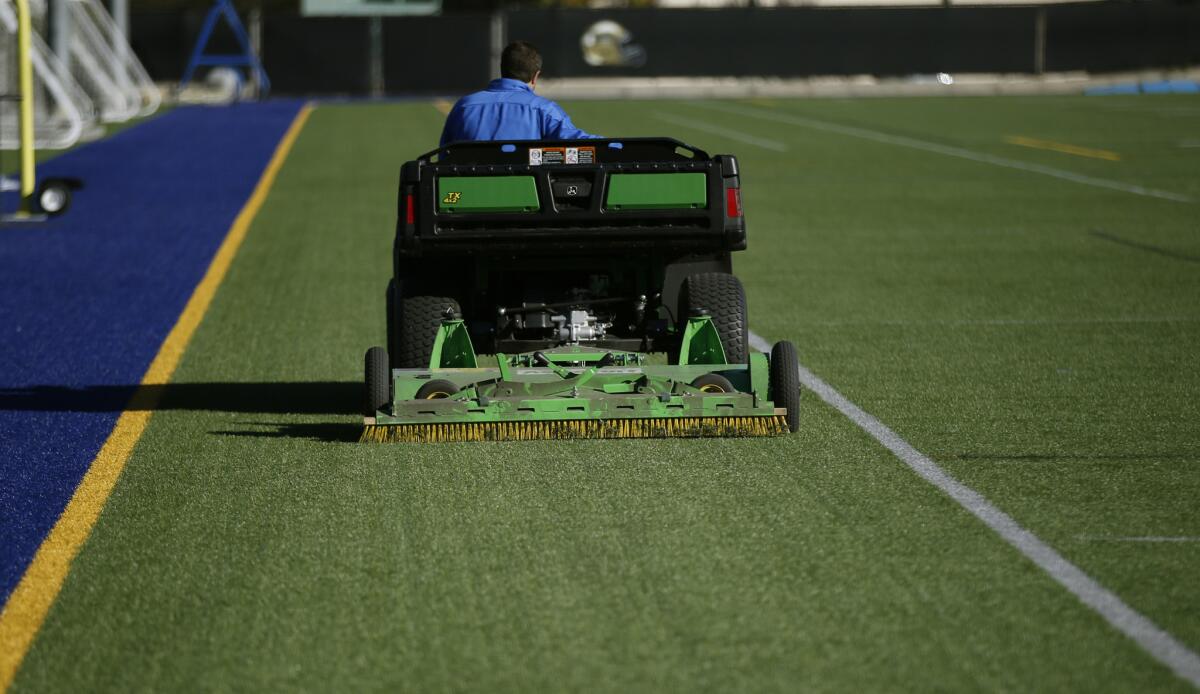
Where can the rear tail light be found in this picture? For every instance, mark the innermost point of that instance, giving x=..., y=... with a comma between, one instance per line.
x=408, y=208
x=733, y=202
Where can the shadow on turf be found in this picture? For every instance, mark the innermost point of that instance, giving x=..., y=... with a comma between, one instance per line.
x=1104, y=235
x=328, y=432
x=313, y=397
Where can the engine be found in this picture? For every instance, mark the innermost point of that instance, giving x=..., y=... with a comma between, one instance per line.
x=578, y=326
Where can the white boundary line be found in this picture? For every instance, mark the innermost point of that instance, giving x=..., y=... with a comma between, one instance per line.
x=1158, y=643
x=947, y=150
x=702, y=126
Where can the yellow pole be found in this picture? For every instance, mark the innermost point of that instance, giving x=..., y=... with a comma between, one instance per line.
x=25, y=78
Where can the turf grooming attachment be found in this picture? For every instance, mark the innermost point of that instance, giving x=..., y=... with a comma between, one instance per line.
x=679, y=427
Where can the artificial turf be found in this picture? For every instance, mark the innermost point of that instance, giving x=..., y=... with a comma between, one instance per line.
x=981, y=312
x=86, y=298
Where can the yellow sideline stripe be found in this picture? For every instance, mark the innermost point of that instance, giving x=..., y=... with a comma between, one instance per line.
x=31, y=600
x=1064, y=148
x=443, y=106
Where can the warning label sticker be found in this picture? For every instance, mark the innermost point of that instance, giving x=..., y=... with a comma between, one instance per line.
x=561, y=155
x=581, y=155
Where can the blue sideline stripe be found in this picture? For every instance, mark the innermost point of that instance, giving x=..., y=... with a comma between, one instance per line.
x=86, y=299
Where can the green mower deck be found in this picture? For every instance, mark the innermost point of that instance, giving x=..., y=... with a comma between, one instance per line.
x=572, y=392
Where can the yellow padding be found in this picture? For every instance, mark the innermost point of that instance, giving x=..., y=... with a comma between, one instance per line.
x=674, y=427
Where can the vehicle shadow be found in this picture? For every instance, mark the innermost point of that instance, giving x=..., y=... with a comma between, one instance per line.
x=335, y=399
x=306, y=397
x=328, y=432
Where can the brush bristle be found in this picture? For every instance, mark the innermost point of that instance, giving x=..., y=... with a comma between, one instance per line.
x=674, y=427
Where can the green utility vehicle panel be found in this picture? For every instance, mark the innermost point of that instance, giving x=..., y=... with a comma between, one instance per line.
x=487, y=194
x=657, y=191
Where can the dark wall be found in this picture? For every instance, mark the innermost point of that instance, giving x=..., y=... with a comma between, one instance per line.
x=436, y=55
x=1121, y=35
x=163, y=40
x=327, y=55
x=791, y=42
x=448, y=54
x=331, y=55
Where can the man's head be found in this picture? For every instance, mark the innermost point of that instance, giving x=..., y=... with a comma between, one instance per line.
x=520, y=61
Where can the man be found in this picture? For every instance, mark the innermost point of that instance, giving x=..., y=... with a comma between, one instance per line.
x=508, y=109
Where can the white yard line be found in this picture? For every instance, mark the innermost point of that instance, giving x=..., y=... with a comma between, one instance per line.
x=961, y=153
x=1158, y=643
x=1143, y=538
x=704, y=127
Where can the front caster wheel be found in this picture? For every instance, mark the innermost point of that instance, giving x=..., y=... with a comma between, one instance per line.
x=714, y=383
x=437, y=389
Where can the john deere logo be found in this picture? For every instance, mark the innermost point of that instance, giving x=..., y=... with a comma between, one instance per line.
x=451, y=198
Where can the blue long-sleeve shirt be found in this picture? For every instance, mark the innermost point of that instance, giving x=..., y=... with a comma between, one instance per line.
x=508, y=110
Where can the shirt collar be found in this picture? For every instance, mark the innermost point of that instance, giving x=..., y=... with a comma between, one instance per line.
x=507, y=84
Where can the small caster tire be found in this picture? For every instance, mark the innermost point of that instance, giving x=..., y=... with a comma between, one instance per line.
x=785, y=382
x=438, y=389
x=714, y=383
x=378, y=382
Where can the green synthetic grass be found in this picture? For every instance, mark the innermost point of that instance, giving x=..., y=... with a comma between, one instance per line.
x=975, y=310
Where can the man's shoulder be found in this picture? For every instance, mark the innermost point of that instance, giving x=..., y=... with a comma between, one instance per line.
x=510, y=96
x=546, y=104
x=474, y=97
x=541, y=104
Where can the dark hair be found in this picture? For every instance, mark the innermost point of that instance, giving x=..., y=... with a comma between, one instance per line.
x=520, y=61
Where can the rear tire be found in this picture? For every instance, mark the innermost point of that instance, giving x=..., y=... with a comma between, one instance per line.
x=722, y=295
x=785, y=382
x=379, y=382
x=419, y=320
